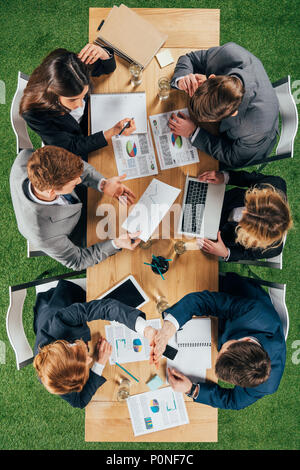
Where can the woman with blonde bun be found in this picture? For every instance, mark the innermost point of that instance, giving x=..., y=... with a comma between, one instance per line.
x=255, y=216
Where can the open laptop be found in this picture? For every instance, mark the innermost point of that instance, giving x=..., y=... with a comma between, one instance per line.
x=201, y=209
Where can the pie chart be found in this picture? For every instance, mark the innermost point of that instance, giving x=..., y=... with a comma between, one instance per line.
x=137, y=345
x=176, y=141
x=154, y=406
x=131, y=148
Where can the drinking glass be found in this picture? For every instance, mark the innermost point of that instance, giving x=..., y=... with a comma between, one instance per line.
x=162, y=304
x=164, y=88
x=123, y=391
x=136, y=74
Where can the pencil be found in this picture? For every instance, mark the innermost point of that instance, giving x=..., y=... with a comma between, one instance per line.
x=123, y=368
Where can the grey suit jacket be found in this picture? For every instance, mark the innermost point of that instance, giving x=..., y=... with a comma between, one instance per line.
x=251, y=135
x=50, y=228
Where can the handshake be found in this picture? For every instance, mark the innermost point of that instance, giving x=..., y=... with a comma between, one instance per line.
x=158, y=340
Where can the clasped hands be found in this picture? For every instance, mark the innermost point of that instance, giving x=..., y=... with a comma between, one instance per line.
x=158, y=340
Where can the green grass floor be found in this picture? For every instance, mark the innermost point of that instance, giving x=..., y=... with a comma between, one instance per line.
x=30, y=418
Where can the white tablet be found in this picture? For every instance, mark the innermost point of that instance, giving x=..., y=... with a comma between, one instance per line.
x=127, y=291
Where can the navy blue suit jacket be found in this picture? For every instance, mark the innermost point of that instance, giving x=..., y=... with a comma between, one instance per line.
x=62, y=313
x=249, y=314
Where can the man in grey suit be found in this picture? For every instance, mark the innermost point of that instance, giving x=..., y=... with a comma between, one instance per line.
x=49, y=212
x=233, y=107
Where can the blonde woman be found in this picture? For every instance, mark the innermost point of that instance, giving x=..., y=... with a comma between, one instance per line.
x=255, y=216
x=62, y=358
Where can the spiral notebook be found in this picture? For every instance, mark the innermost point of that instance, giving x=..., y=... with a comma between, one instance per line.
x=131, y=36
x=193, y=342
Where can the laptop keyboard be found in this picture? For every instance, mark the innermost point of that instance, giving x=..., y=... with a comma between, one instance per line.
x=194, y=207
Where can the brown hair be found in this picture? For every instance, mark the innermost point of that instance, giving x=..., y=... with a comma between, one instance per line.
x=62, y=367
x=52, y=167
x=217, y=98
x=61, y=73
x=244, y=363
x=266, y=220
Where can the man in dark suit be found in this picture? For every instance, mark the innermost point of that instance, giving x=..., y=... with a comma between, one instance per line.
x=251, y=343
x=233, y=107
x=62, y=313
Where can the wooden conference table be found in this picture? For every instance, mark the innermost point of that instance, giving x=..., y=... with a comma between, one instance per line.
x=106, y=418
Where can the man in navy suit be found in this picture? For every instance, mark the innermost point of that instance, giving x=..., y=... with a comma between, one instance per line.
x=251, y=343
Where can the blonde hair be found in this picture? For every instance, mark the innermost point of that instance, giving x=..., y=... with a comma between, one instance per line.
x=266, y=220
x=62, y=367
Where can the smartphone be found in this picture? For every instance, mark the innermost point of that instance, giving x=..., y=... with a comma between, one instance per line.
x=170, y=352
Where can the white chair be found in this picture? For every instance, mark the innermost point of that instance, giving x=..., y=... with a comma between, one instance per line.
x=289, y=123
x=14, y=318
x=23, y=140
x=275, y=262
x=277, y=293
x=18, y=123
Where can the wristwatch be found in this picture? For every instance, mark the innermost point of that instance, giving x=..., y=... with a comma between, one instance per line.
x=191, y=392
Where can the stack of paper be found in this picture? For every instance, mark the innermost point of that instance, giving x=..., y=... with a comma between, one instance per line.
x=154, y=204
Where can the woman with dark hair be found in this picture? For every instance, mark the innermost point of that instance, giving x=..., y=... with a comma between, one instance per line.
x=255, y=216
x=55, y=98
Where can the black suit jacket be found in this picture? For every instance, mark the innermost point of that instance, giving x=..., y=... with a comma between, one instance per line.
x=63, y=130
x=236, y=198
x=63, y=313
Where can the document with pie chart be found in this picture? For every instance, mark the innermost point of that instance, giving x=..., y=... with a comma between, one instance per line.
x=134, y=155
x=127, y=345
x=172, y=150
x=157, y=410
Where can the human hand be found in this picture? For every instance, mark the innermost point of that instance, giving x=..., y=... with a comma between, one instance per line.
x=129, y=241
x=150, y=333
x=103, y=351
x=214, y=177
x=160, y=342
x=178, y=381
x=213, y=248
x=116, y=129
x=181, y=124
x=91, y=53
x=115, y=188
x=191, y=82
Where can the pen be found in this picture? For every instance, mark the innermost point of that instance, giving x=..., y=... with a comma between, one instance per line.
x=100, y=25
x=125, y=370
x=126, y=126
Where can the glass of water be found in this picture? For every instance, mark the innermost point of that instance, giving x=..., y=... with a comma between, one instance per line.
x=135, y=74
x=124, y=389
x=179, y=247
x=162, y=304
x=164, y=88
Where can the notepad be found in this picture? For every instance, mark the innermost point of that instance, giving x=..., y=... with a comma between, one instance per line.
x=109, y=108
x=132, y=37
x=193, y=342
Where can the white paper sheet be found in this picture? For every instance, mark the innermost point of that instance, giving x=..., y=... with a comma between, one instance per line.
x=127, y=345
x=172, y=150
x=109, y=108
x=153, y=205
x=156, y=410
x=194, y=349
x=134, y=155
